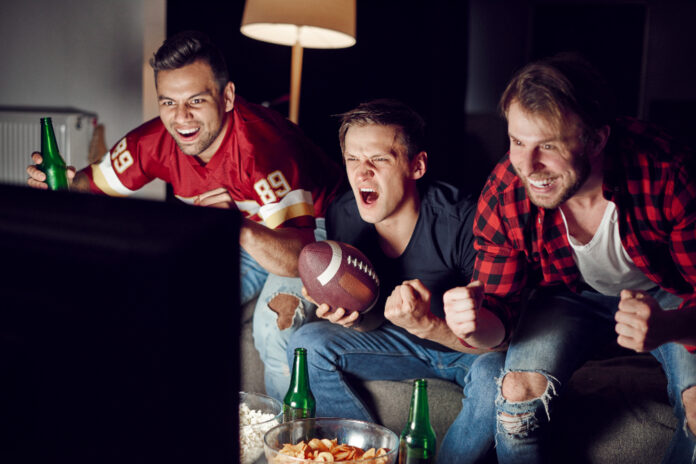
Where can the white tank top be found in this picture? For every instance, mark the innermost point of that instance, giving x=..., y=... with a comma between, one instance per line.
x=603, y=262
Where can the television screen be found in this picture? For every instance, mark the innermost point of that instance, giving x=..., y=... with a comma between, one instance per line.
x=119, y=322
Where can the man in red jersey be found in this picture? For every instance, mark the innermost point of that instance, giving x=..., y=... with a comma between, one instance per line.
x=215, y=149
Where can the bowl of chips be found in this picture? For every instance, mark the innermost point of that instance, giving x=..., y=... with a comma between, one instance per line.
x=257, y=414
x=327, y=439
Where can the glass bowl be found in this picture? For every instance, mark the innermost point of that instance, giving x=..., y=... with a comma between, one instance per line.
x=361, y=434
x=257, y=414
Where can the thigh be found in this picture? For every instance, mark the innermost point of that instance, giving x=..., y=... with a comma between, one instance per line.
x=385, y=353
x=252, y=277
x=677, y=362
x=679, y=366
x=559, y=330
x=458, y=367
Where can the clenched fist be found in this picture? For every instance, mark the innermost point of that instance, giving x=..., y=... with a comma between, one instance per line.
x=462, y=305
x=642, y=325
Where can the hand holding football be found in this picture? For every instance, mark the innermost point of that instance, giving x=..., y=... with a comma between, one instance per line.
x=339, y=275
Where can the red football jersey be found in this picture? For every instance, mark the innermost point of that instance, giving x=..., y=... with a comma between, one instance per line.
x=275, y=174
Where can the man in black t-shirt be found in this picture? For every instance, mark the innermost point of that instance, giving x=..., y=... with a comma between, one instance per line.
x=419, y=239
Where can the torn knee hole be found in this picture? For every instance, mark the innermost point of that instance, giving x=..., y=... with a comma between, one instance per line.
x=523, y=386
x=284, y=305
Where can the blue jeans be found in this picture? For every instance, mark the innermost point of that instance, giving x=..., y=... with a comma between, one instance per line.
x=269, y=339
x=387, y=353
x=252, y=277
x=557, y=333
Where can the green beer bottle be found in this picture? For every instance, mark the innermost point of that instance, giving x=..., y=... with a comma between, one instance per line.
x=53, y=164
x=299, y=402
x=417, y=441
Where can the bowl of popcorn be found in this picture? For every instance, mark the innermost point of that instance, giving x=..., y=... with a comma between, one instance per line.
x=257, y=414
x=330, y=440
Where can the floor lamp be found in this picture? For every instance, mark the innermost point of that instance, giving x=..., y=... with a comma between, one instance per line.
x=300, y=24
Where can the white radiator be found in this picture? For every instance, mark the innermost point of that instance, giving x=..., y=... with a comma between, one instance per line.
x=20, y=135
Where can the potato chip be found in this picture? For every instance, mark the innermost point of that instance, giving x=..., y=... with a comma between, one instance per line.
x=325, y=456
x=325, y=450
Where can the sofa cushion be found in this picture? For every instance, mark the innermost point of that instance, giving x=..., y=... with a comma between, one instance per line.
x=251, y=375
x=615, y=410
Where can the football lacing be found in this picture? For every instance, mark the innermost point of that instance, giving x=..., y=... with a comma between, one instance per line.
x=363, y=267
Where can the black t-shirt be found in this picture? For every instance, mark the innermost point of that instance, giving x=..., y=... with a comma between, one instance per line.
x=441, y=252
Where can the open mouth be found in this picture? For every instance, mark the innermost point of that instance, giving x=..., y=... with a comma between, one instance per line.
x=188, y=134
x=368, y=195
x=541, y=183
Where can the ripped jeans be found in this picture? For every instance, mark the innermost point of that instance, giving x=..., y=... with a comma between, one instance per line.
x=272, y=331
x=557, y=333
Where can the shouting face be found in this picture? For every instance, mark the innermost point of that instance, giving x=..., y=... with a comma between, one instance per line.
x=379, y=171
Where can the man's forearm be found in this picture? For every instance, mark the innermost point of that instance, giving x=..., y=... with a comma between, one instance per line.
x=490, y=331
x=277, y=251
x=438, y=331
x=80, y=183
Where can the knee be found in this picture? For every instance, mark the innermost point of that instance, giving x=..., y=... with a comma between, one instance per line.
x=524, y=404
x=280, y=305
x=523, y=386
x=275, y=317
x=689, y=401
x=284, y=305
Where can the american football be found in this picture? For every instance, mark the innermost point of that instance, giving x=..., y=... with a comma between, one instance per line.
x=339, y=275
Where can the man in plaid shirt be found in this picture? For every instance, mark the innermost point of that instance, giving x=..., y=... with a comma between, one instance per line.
x=589, y=223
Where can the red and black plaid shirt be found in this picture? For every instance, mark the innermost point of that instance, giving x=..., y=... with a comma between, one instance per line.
x=652, y=181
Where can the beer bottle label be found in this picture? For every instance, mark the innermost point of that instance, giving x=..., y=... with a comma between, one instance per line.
x=414, y=455
x=290, y=413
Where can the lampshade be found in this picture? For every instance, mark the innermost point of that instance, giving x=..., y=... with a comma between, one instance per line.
x=309, y=23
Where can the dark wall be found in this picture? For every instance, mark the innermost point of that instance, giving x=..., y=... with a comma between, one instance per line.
x=611, y=36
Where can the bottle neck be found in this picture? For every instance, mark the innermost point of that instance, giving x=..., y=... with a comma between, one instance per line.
x=419, y=413
x=49, y=145
x=300, y=378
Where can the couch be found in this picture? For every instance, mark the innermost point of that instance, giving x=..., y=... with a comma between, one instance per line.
x=615, y=409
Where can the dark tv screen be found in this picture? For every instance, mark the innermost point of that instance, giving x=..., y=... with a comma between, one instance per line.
x=119, y=328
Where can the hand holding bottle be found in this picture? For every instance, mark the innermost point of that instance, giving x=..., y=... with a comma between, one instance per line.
x=51, y=171
x=37, y=178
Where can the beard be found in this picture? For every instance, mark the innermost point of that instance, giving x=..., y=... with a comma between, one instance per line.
x=581, y=171
x=201, y=145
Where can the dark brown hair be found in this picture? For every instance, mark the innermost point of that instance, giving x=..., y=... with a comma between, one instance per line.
x=186, y=48
x=561, y=85
x=387, y=112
